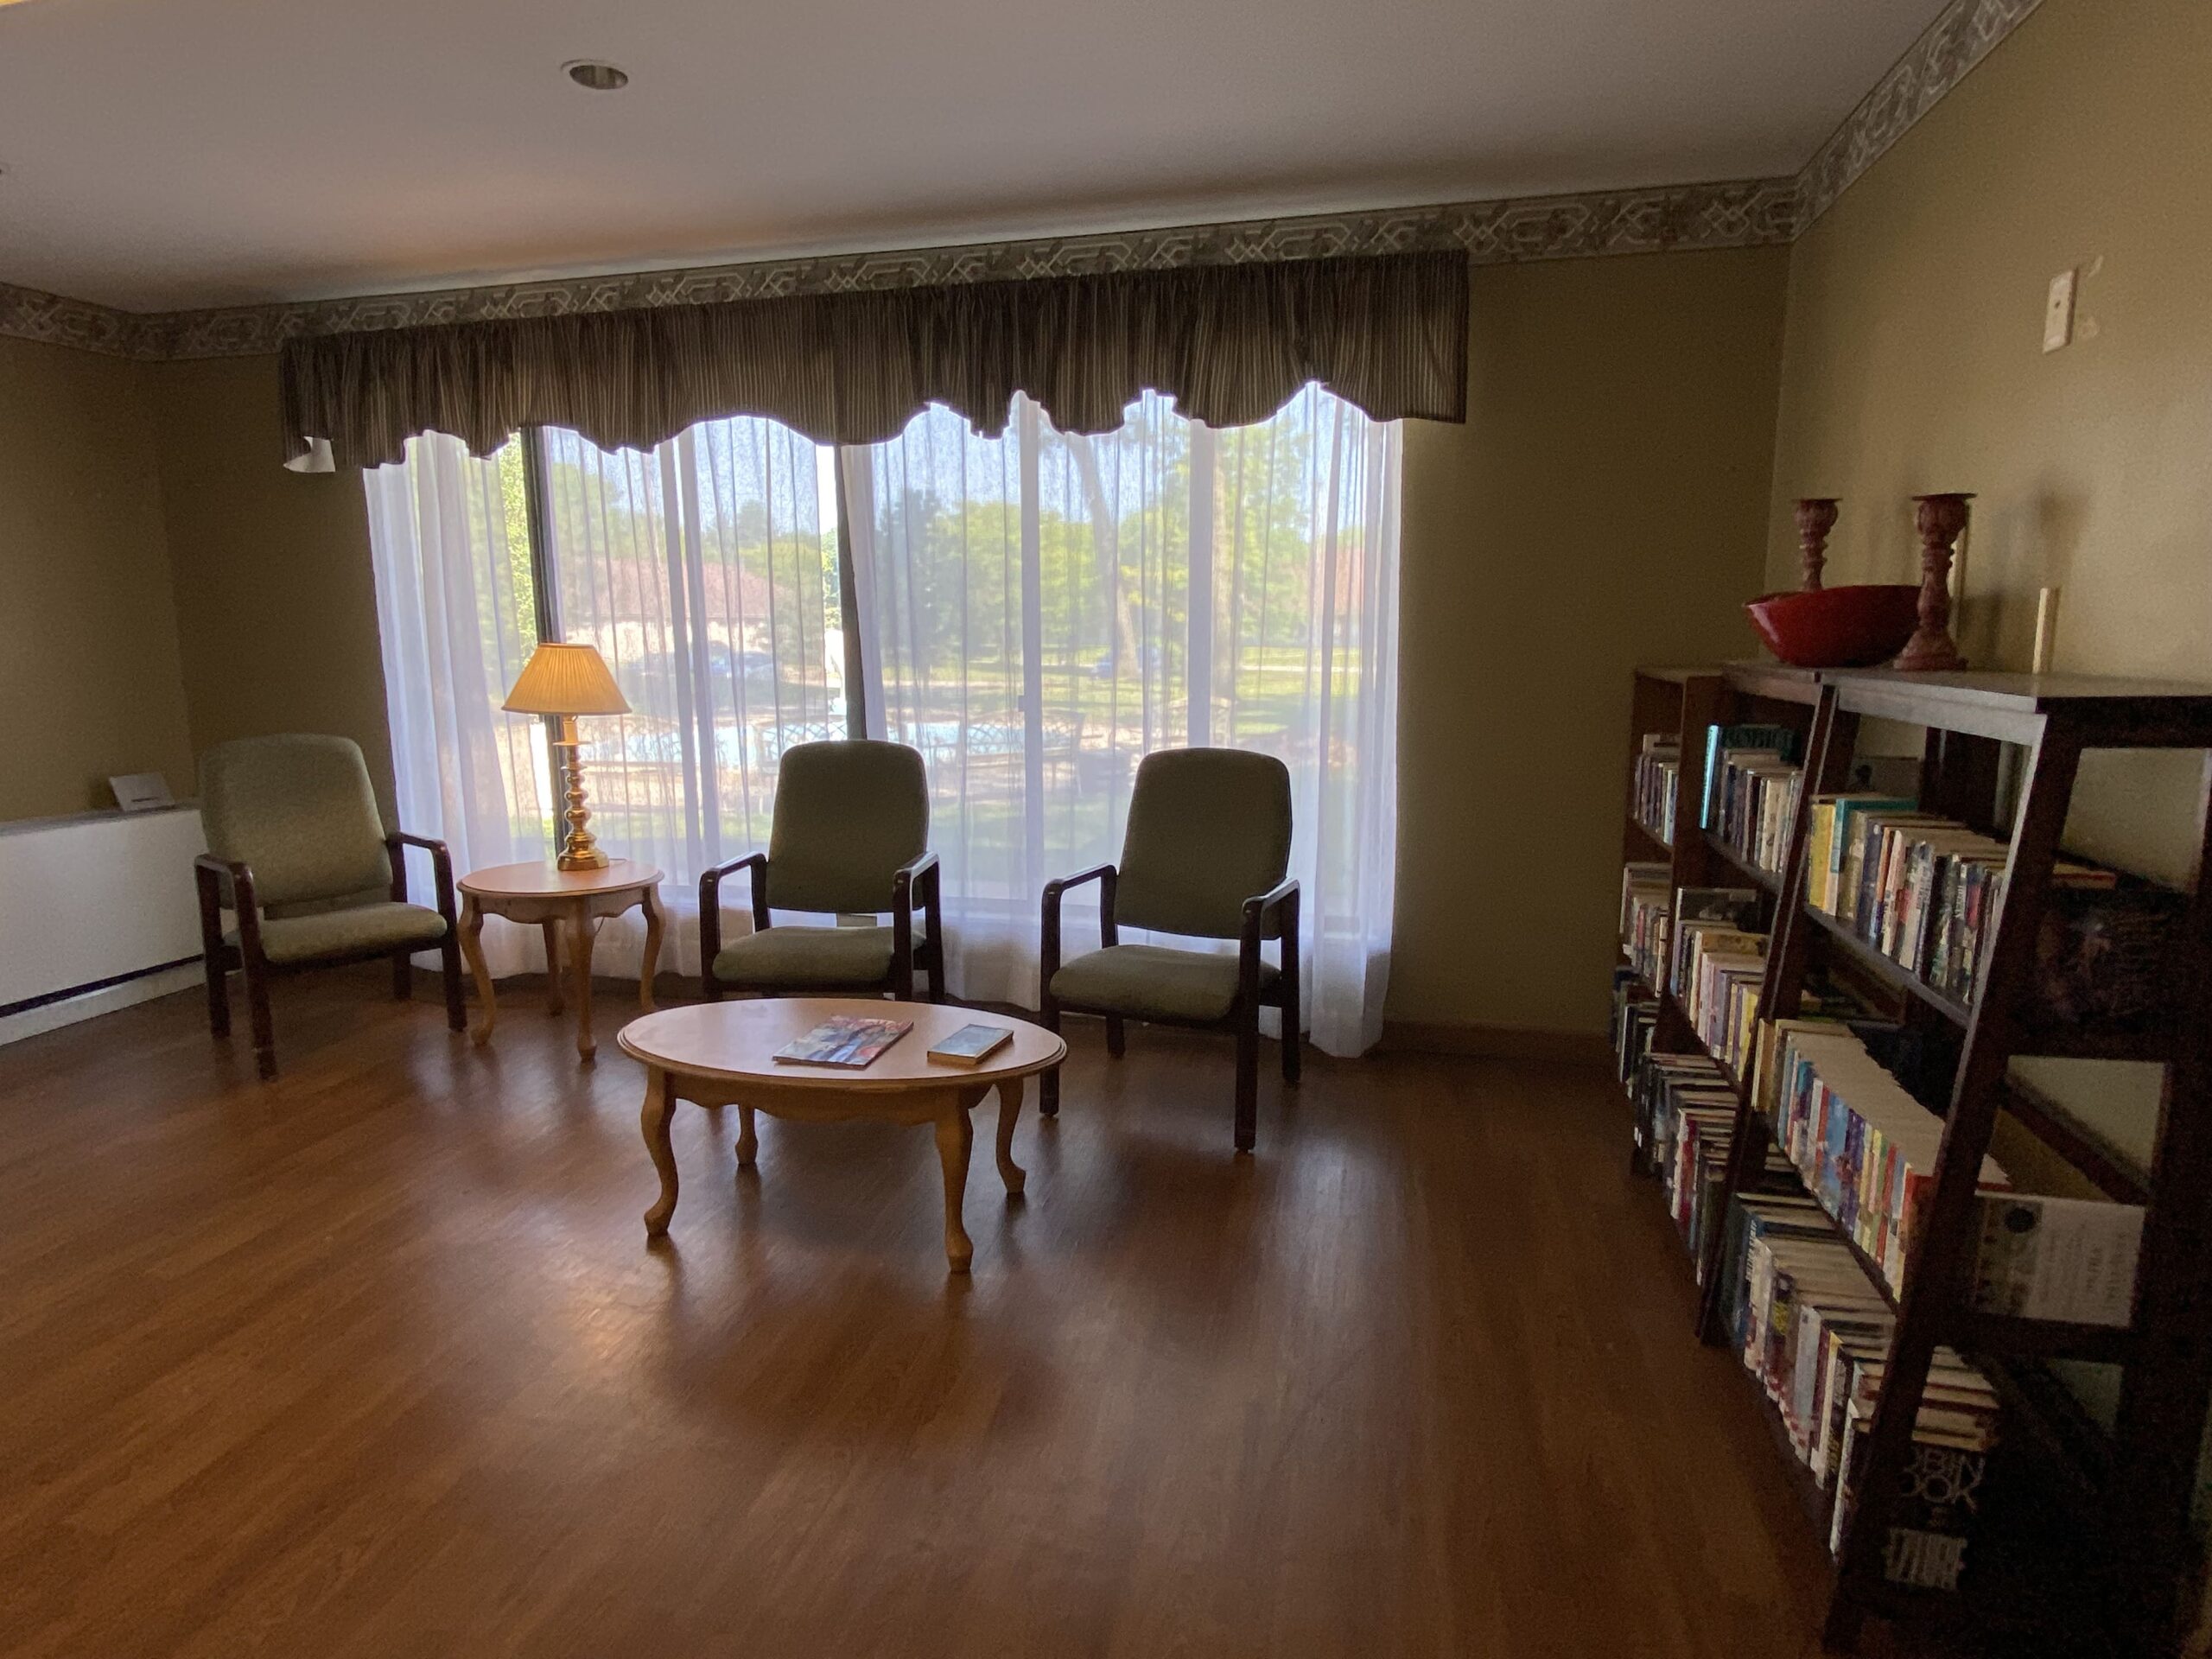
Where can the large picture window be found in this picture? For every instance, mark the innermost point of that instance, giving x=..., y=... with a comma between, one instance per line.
x=1034, y=612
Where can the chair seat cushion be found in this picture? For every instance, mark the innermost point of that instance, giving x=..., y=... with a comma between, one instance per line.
x=1152, y=982
x=382, y=926
x=784, y=957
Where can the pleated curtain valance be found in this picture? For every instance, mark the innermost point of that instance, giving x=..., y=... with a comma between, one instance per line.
x=1230, y=343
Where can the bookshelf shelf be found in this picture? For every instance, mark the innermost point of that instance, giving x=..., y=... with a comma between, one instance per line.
x=1999, y=1333
x=1673, y=1004
x=1886, y=968
x=1658, y=843
x=2136, y=1478
x=2110, y=1171
x=1739, y=866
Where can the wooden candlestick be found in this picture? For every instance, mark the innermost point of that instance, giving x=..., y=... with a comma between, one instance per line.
x=1815, y=519
x=1939, y=519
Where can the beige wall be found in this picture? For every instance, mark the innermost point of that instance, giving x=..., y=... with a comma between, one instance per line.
x=274, y=600
x=1604, y=506
x=1914, y=362
x=88, y=652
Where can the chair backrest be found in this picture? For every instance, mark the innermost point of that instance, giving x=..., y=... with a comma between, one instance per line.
x=849, y=813
x=1208, y=830
x=299, y=811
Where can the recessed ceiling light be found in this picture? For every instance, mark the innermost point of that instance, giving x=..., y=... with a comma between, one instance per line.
x=594, y=76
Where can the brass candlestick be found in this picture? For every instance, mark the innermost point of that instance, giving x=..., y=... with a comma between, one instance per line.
x=1939, y=519
x=581, y=851
x=1815, y=519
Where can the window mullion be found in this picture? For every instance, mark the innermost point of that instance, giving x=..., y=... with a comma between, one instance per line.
x=855, y=587
x=545, y=591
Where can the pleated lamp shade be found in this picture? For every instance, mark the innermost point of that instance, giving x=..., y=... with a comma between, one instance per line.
x=566, y=680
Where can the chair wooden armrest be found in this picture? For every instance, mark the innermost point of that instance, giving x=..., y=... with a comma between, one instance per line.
x=915, y=879
x=396, y=843
x=710, y=912
x=224, y=878
x=917, y=876
x=1265, y=912
x=1107, y=878
x=229, y=883
x=1273, y=913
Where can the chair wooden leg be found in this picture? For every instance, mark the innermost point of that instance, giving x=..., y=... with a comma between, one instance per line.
x=1117, y=1036
x=219, y=993
x=449, y=969
x=255, y=971
x=403, y=978
x=1048, y=1085
x=1247, y=1077
x=1292, y=1041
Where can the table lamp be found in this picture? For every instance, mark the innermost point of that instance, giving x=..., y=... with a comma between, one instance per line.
x=566, y=680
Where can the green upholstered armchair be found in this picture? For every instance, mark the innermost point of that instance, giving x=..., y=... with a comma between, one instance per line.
x=850, y=835
x=298, y=854
x=1207, y=844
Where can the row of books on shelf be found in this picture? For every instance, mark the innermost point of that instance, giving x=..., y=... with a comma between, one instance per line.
x=1926, y=892
x=1812, y=1328
x=1658, y=783
x=1864, y=1146
x=1647, y=914
x=1817, y=1334
x=1719, y=962
x=1751, y=781
x=1867, y=1152
x=1851, y=1154
x=1853, y=1137
x=1636, y=1020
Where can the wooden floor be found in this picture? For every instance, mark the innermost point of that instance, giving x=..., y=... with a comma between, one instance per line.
x=375, y=1361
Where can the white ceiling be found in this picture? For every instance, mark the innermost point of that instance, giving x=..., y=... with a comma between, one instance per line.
x=173, y=153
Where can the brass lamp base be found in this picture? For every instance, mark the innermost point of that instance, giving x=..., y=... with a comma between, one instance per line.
x=580, y=851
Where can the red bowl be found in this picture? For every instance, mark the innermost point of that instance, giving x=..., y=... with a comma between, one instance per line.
x=1837, y=627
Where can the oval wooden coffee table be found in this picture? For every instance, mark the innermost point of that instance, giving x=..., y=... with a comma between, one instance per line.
x=720, y=1054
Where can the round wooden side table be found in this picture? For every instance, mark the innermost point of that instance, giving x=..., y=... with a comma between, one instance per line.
x=550, y=898
x=721, y=1054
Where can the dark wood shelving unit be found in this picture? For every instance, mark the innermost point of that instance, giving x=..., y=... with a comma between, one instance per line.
x=2135, y=1480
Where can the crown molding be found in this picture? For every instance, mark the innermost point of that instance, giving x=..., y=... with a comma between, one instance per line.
x=1751, y=212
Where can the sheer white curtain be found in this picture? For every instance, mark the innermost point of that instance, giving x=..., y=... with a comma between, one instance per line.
x=457, y=612
x=701, y=571
x=1039, y=611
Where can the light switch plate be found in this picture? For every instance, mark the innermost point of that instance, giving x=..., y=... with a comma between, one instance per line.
x=2058, y=312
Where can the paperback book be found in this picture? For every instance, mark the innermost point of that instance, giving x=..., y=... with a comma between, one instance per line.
x=971, y=1044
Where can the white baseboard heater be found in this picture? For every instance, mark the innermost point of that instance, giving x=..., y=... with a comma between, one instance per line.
x=96, y=912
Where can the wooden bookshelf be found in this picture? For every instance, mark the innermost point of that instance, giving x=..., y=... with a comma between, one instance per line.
x=2135, y=1480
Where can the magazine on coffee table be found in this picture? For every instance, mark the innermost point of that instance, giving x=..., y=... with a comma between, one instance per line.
x=847, y=1041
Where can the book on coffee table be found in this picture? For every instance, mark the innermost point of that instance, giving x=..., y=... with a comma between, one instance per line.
x=847, y=1041
x=970, y=1044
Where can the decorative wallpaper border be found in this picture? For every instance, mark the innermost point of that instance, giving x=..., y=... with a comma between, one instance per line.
x=33, y=314
x=1729, y=215
x=1964, y=34
x=1739, y=213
